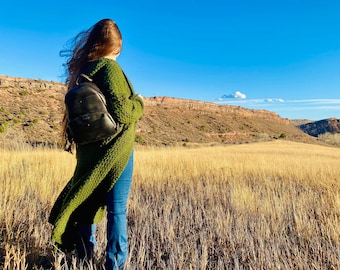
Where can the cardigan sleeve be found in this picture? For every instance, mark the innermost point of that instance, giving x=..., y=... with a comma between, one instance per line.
x=124, y=105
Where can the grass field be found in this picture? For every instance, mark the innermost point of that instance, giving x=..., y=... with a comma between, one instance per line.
x=273, y=205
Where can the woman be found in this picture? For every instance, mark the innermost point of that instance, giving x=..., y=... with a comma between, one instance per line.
x=103, y=174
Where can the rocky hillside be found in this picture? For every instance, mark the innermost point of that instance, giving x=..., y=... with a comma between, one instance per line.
x=170, y=120
x=331, y=125
x=31, y=111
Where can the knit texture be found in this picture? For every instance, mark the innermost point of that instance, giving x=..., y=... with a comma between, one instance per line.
x=99, y=164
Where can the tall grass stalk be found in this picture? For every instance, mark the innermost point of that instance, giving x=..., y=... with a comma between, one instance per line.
x=271, y=205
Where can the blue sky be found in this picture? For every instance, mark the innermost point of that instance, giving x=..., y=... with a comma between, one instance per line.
x=282, y=56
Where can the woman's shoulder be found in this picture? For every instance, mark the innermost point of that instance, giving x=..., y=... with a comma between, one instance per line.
x=105, y=65
x=104, y=62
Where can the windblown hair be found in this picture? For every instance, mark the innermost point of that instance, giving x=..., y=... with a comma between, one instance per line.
x=102, y=39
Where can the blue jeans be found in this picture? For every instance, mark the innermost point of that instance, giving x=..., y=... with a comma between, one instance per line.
x=117, y=238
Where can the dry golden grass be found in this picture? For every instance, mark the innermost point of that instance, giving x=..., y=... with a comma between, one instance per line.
x=273, y=205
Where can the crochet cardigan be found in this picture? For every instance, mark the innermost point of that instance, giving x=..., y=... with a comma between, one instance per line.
x=99, y=164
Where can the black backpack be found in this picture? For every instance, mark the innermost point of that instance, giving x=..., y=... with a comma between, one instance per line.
x=88, y=117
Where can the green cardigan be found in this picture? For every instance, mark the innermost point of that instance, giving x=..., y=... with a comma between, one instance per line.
x=99, y=164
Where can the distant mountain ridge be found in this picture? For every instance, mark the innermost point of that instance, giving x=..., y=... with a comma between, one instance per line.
x=316, y=128
x=31, y=111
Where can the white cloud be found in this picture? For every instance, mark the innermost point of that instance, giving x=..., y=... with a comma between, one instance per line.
x=274, y=100
x=318, y=101
x=237, y=95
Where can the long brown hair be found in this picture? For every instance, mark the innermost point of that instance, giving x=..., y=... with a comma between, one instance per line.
x=102, y=39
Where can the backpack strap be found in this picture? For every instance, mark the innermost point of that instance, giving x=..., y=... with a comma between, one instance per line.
x=83, y=76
